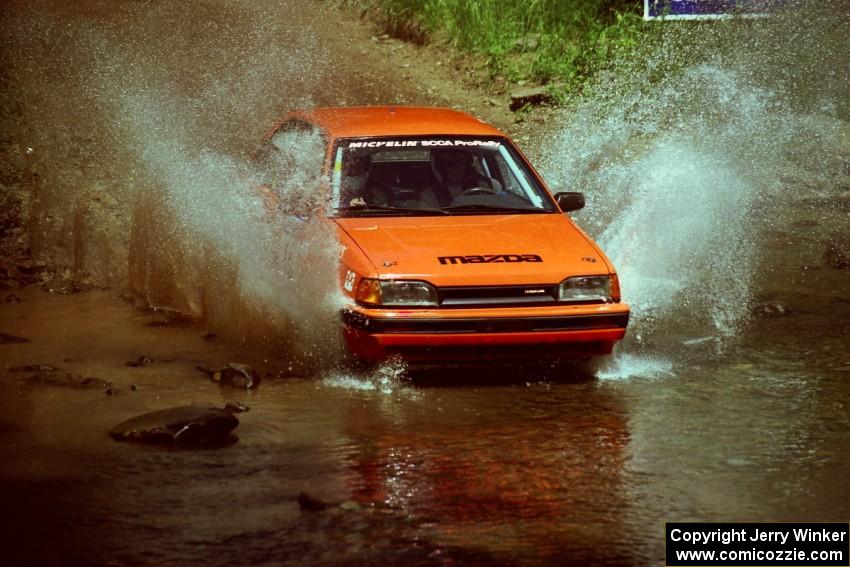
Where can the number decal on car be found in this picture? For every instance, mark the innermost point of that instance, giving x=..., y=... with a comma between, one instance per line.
x=349, y=281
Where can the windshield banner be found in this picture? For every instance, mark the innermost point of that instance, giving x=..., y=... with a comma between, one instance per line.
x=422, y=143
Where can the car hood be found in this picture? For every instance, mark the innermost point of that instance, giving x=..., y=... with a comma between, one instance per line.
x=476, y=249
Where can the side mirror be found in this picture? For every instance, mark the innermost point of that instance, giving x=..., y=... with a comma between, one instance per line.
x=570, y=201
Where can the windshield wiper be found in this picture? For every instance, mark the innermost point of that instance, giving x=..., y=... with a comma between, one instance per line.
x=479, y=207
x=385, y=208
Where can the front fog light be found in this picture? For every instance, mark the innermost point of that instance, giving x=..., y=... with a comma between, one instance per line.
x=585, y=288
x=396, y=293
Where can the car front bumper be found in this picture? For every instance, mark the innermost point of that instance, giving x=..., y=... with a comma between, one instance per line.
x=561, y=332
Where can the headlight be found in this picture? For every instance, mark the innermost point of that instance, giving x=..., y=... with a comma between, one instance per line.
x=396, y=293
x=588, y=288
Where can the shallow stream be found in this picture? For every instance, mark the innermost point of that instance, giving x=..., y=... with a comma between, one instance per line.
x=471, y=467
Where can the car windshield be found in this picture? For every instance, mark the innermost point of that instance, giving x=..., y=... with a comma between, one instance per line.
x=433, y=176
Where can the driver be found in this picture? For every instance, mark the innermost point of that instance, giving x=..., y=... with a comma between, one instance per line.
x=355, y=172
x=456, y=174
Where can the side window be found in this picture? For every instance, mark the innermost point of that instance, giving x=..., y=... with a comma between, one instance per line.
x=290, y=165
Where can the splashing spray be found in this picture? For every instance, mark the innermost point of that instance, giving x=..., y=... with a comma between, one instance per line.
x=248, y=251
x=690, y=154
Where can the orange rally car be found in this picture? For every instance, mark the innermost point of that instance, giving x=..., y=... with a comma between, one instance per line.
x=454, y=249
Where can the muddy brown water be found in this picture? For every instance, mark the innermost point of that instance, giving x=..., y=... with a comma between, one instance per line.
x=468, y=469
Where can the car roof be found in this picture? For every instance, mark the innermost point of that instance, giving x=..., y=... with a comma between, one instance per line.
x=366, y=121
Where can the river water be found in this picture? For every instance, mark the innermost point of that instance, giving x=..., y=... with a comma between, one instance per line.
x=715, y=182
x=457, y=467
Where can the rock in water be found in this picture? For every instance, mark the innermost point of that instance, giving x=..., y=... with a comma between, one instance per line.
x=69, y=380
x=236, y=407
x=772, y=310
x=139, y=362
x=311, y=503
x=38, y=367
x=6, y=338
x=185, y=425
x=237, y=376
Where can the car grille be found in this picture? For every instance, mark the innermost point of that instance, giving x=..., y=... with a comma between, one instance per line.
x=504, y=296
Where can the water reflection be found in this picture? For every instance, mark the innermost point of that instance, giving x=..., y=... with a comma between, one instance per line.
x=549, y=457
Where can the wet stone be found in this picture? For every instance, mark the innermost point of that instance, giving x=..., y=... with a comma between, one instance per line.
x=34, y=368
x=771, y=310
x=236, y=407
x=60, y=285
x=236, y=375
x=6, y=338
x=307, y=501
x=141, y=361
x=311, y=503
x=208, y=371
x=69, y=380
x=184, y=425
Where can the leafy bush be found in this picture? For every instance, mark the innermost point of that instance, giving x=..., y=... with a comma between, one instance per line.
x=561, y=41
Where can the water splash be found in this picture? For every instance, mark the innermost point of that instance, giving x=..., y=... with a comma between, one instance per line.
x=689, y=155
x=634, y=366
x=163, y=127
x=386, y=379
x=247, y=252
x=225, y=71
x=139, y=139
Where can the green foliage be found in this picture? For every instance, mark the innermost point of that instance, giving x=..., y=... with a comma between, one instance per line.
x=560, y=41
